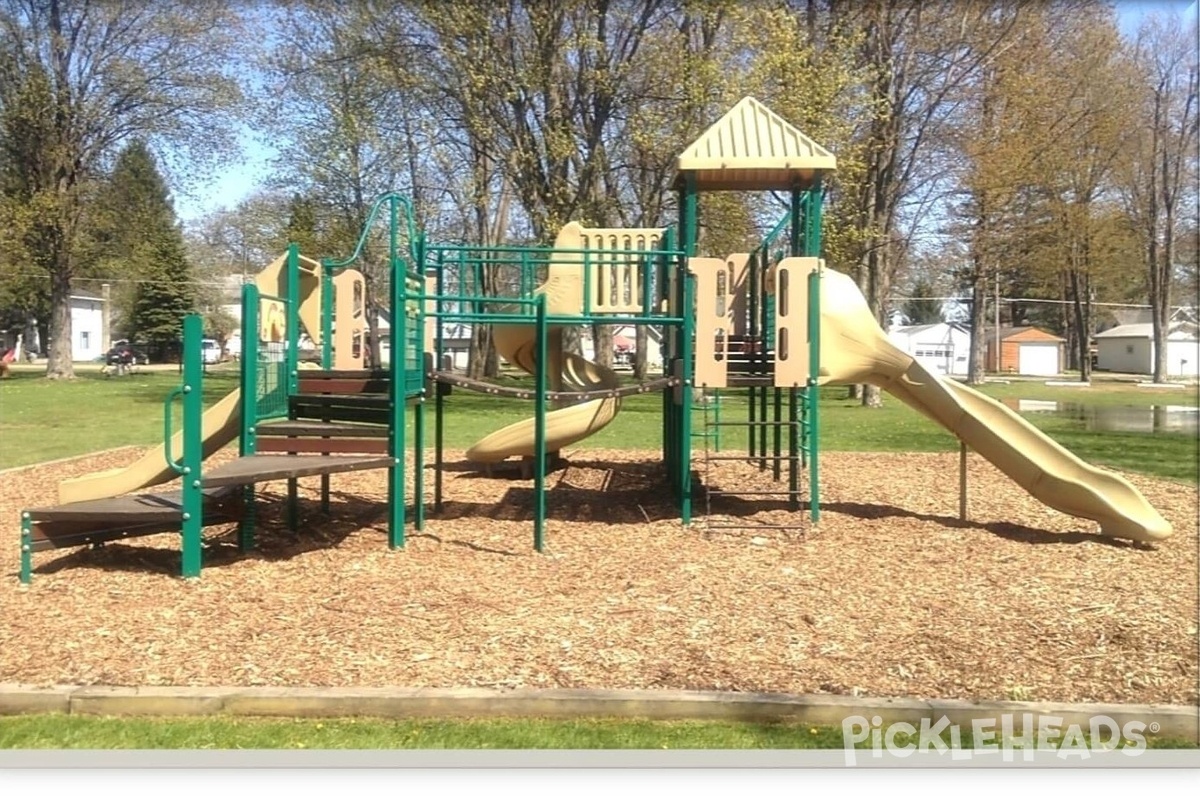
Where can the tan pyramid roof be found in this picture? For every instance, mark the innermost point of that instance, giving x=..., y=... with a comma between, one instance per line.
x=753, y=148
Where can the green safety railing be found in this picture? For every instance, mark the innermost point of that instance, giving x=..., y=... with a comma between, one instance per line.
x=484, y=277
x=267, y=367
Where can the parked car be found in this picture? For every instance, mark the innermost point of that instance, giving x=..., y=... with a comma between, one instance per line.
x=123, y=352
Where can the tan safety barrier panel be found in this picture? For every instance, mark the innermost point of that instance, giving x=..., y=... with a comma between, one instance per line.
x=714, y=319
x=350, y=320
x=739, y=266
x=614, y=280
x=790, y=280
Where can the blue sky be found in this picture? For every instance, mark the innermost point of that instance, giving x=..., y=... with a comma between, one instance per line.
x=240, y=180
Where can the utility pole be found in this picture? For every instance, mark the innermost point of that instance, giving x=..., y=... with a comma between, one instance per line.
x=997, y=321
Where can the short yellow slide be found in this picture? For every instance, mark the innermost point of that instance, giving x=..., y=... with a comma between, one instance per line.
x=220, y=425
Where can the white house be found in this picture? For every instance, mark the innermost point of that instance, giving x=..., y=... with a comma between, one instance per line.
x=1130, y=348
x=87, y=326
x=943, y=348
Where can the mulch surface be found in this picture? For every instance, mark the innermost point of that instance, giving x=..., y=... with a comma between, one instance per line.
x=889, y=595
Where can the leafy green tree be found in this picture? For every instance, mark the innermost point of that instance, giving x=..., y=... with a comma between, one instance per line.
x=113, y=71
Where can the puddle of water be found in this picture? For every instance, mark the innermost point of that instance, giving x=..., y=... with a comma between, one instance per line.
x=1124, y=419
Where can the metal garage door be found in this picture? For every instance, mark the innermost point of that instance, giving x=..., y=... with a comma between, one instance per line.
x=1040, y=358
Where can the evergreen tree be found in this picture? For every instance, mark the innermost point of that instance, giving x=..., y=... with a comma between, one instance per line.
x=140, y=239
x=919, y=308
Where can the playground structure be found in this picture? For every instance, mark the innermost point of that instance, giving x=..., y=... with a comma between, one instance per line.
x=775, y=322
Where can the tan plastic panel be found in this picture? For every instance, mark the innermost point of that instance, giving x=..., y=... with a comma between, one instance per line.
x=350, y=320
x=272, y=280
x=753, y=148
x=614, y=280
x=714, y=319
x=739, y=266
x=791, y=319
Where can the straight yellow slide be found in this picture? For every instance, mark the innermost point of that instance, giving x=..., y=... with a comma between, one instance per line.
x=854, y=349
x=219, y=426
x=221, y=422
x=564, y=426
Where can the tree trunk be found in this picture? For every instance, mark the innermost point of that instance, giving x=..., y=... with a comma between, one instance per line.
x=602, y=337
x=641, y=354
x=58, y=361
x=1081, y=307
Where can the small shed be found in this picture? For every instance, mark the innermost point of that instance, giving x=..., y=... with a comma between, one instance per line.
x=1026, y=351
x=943, y=348
x=1130, y=348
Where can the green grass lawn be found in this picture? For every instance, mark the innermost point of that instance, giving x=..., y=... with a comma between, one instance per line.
x=42, y=420
x=48, y=731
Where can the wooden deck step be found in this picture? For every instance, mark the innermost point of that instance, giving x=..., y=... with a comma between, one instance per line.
x=97, y=521
x=298, y=427
x=259, y=469
x=368, y=408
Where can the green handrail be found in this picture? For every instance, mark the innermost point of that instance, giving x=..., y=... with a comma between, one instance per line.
x=179, y=391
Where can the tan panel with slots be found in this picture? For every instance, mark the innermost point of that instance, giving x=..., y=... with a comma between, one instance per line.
x=739, y=275
x=614, y=280
x=350, y=318
x=714, y=312
x=791, y=319
x=430, y=311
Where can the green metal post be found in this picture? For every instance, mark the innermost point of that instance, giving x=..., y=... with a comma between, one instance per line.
x=26, y=548
x=247, y=444
x=419, y=358
x=688, y=224
x=794, y=395
x=326, y=316
x=292, y=364
x=812, y=247
x=539, y=434
x=777, y=433
x=397, y=367
x=439, y=425
x=193, y=444
x=327, y=306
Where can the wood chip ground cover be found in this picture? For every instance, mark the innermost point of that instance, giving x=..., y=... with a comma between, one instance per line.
x=889, y=595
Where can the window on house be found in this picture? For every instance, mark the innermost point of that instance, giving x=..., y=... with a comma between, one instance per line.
x=1128, y=349
x=83, y=340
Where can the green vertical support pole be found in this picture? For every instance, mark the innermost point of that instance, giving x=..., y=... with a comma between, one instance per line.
x=668, y=263
x=396, y=434
x=292, y=364
x=327, y=306
x=796, y=231
x=812, y=247
x=777, y=433
x=794, y=446
x=687, y=236
x=419, y=357
x=439, y=401
x=247, y=444
x=193, y=444
x=326, y=316
x=26, y=548
x=763, y=392
x=752, y=290
x=539, y=429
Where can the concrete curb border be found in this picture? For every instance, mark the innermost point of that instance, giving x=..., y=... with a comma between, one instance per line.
x=1172, y=721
